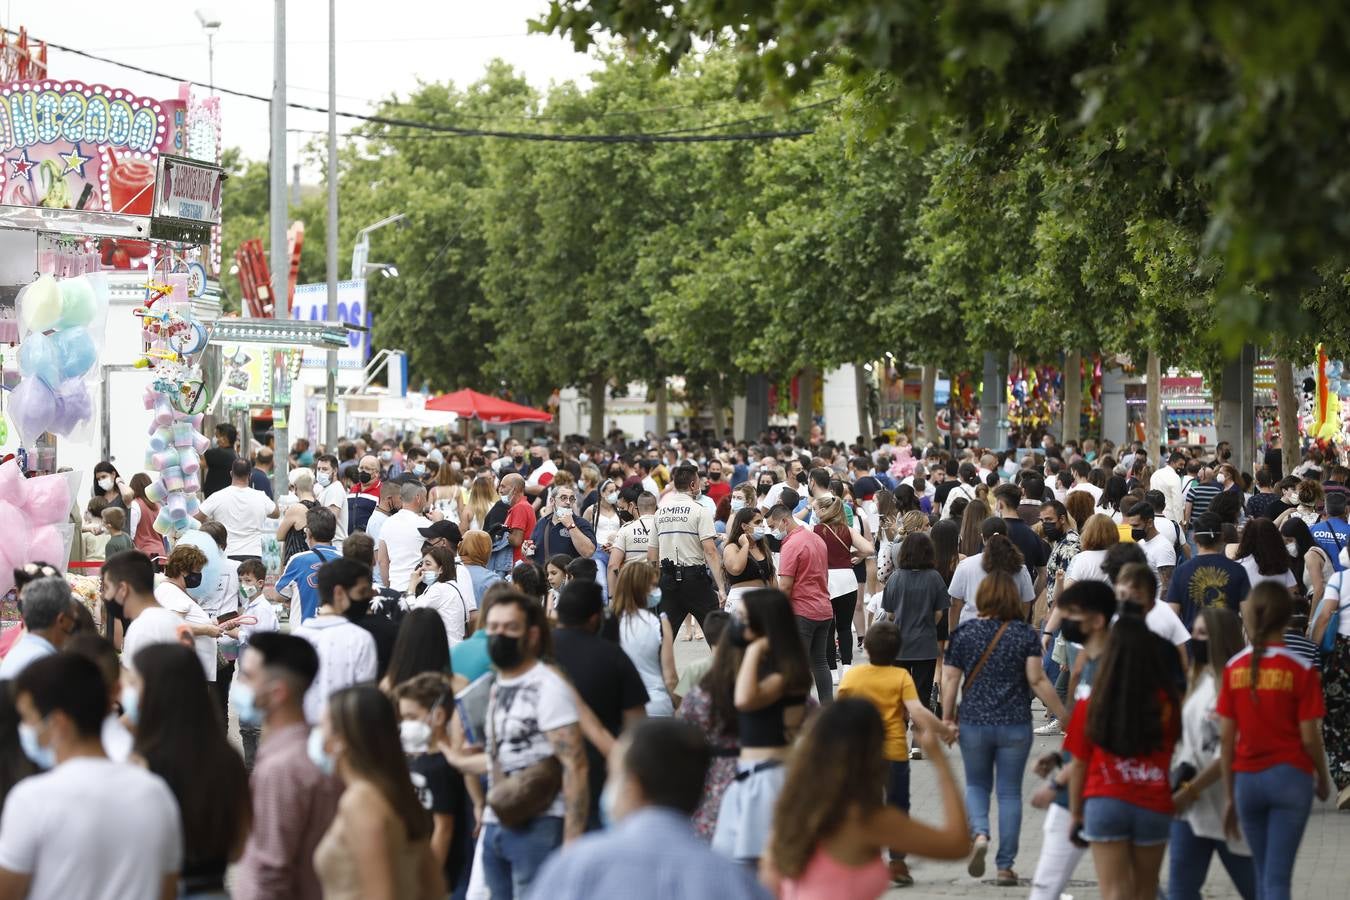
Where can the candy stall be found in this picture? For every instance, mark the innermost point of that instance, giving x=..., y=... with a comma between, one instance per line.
x=109, y=260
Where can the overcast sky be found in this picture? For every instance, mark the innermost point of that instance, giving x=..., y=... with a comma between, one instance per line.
x=383, y=48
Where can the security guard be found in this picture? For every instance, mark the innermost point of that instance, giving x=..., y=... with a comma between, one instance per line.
x=686, y=546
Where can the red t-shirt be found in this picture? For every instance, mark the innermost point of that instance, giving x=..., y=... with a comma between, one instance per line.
x=716, y=490
x=521, y=516
x=1288, y=691
x=1140, y=780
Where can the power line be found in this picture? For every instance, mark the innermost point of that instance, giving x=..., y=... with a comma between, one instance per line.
x=545, y=137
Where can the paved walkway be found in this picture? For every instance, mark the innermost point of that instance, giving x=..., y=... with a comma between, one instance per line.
x=1316, y=875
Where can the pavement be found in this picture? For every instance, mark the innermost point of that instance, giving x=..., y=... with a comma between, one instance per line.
x=1315, y=873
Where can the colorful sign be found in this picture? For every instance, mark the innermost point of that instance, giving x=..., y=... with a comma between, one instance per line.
x=311, y=304
x=188, y=190
x=68, y=145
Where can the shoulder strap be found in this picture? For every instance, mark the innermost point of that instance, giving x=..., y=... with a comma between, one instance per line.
x=979, y=666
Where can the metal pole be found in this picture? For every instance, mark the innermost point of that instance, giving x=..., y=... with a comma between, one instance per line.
x=211, y=62
x=280, y=259
x=330, y=395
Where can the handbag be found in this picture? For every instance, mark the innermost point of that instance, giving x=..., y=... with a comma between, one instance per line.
x=526, y=793
x=984, y=657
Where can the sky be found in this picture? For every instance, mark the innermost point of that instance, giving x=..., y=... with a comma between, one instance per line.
x=382, y=48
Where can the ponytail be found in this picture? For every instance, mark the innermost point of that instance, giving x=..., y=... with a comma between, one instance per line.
x=1269, y=610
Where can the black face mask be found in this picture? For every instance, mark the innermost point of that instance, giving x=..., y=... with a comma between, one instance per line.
x=1200, y=651
x=736, y=628
x=115, y=610
x=1052, y=532
x=1072, y=631
x=357, y=610
x=1139, y=534
x=714, y=476
x=193, y=579
x=504, y=651
x=363, y=477
x=762, y=489
x=625, y=516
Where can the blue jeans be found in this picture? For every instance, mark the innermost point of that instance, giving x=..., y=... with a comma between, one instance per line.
x=512, y=856
x=1188, y=864
x=996, y=754
x=1273, y=807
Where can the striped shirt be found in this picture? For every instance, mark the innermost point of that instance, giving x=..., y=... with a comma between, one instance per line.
x=1299, y=645
x=1200, y=494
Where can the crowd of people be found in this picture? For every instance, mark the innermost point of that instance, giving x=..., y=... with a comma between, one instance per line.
x=452, y=669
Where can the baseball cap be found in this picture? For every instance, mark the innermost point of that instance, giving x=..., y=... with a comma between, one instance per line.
x=442, y=529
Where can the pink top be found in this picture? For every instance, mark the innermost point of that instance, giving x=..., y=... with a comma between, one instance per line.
x=804, y=560
x=825, y=878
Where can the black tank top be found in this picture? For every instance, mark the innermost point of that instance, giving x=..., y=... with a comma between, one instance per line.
x=755, y=570
x=764, y=727
x=295, y=538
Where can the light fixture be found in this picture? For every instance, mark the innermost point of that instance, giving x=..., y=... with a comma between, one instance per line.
x=388, y=270
x=890, y=355
x=280, y=332
x=867, y=367
x=234, y=269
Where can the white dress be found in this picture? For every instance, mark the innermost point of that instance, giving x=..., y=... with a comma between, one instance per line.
x=640, y=635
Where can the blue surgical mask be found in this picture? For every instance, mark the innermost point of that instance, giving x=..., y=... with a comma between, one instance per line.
x=321, y=758
x=430, y=578
x=737, y=504
x=759, y=532
x=419, y=470
x=654, y=598
x=778, y=534
x=612, y=497
x=42, y=757
x=131, y=703
x=244, y=701
x=322, y=479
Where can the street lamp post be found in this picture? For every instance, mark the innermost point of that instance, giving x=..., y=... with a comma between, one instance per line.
x=331, y=243
x=210, y=24
x=361, y=250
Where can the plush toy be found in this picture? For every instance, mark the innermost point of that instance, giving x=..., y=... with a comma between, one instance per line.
x=34, y=513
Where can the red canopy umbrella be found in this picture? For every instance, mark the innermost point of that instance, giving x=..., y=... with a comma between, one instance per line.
x=492, y=410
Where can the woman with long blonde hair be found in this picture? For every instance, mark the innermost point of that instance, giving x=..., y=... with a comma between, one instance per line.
x=482, y=497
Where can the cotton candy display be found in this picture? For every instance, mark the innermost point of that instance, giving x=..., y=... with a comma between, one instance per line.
x=57, y=355
x=34, y=517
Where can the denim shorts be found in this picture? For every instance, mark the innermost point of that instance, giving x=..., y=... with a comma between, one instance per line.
x=1109, y=819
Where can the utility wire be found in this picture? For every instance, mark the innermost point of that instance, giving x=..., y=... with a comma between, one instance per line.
x=633, y=138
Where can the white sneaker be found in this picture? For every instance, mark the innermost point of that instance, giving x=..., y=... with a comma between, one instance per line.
x=1050, y=728
x=916, y=753
x=834, y=676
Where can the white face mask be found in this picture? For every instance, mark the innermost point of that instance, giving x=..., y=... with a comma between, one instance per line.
x=414, y=735
x=1221, y=478
x=322, y=479
x=1292, y=547
x=106, y=484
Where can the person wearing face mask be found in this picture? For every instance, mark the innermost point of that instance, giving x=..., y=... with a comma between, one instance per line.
x=633, y=538
x=291, y=528
x=182, y=571
x=563, y=530
x=646, y=635
x=746, y=556
x=716, y=486
x=424, y=707
x=346, y=651
x=48, y=620
x=1197, y=788
x=84, y=798
x=533, y=723
x=602, y=673
x=293, y=801
x=1158, y=547
x=331, y=492
x=433, y=587
x=358, y=740
x=242, y=510
x=1209, y=578
x=365, y=494
x=1332, y=534
x=297, y=579
x=658, y=771
x=1167, y=480
x=1087, y=609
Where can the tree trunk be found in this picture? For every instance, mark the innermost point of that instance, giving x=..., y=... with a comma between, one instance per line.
x=1073, y=396
x=806, y=400
x=1286, y=396
x=662, y=409
x=1153, y=409
x=860, y=376
x=928, y=405
x=717, y=398
x=598, y=385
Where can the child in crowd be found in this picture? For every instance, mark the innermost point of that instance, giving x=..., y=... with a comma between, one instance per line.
x=424, y=707
x=253, y=602
x=891, y=690
x=114, y=523
x=556, y=570
x=93, y=532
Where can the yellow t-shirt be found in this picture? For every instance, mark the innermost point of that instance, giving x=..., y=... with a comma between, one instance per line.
x=887, y=688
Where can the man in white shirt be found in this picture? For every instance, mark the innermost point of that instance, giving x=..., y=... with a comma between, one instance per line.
x=330, y=491
x=400, y=546
x=346, y=651
x=1081, y=469
x=242, y=510
x=48, y=620
x=1158, y=547
x=1167, y=480
x=129, y=594
x=123, y=820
